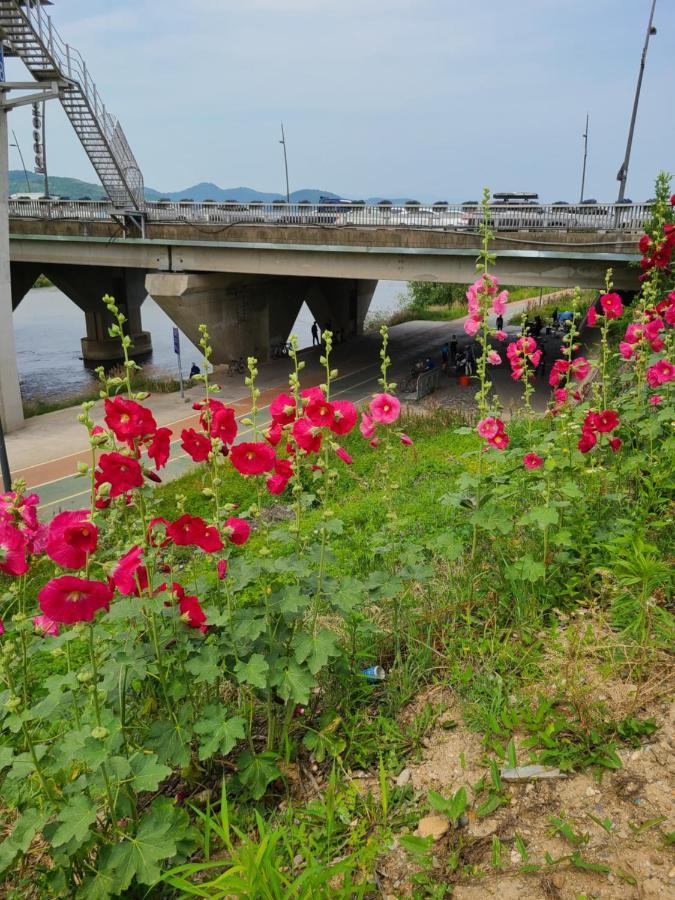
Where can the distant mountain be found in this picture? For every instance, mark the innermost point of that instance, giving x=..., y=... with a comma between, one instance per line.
x=75, y=189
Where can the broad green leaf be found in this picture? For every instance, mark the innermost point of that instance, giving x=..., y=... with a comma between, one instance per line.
x=147, y=772
x=74, y=821
x=6, y=756
x=315, y=650
x=138, y=857
x=257, y=771
x=253, y=671
x=205, y=665
x=220, y=733
x=543, y=516
x=171, y=740
x=294, y=682
x=25, y=829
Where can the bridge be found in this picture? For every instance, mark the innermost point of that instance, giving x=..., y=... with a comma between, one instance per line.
x=245, y=269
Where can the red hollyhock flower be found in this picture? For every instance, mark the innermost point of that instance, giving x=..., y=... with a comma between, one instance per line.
x=607, y=420
x=274, y=434
x=406, y=440
x=160, y=447
x=252, y=458
x=130, y=576
x=307, y=436
x=237, y=531
x=500, y=440
x=152, y=524
x=320, y=412
x=344, y=456
x=192, y=612
x=660, y=373
x=71, y=538
x=221, y=568
x=611, y=305
x=580, y=368
x=283, y=472
x=344, y=417
x=191, y=531
x=223, y=422
x=68, y=599
x=644, y=244
x=587, y=440
x=312, y=393
x=615, y=443
x=532, y=461
x=128, y=420
x=45, y=625
x=12, y=550
x=559, y=368
x=385, y=408
x=592, y=317
x=121, y=472
x=282, y=409
x=196, y=445
x=487, y=428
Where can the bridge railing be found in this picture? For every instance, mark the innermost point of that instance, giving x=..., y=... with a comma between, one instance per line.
x=629, y=218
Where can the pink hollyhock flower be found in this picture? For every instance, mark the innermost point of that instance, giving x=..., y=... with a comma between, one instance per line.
x=237, y=531
x=500, y=335
x=592, y=316
x=587, y=441
x=615, y=443
x=606, y=420
x=655, y=399
x=45, y=625
x=344, y=417
x=312, y=393
x=130, y=576
x=472, y=325
x=189, y=531
x=274, y=434
x=252, y=458
x=320, y=413
x=196, y=445
x=580, y=368
x=660, y=373
x=282, y=409
x=535, y=358
x=406, y=440
x=366, y=427
x=385, y=408
x=561, y=395
x=307, y=436
x=71, y=538
x=12, y=551
x=626, y=350
x=499, y=303
x=500, y=440
x=559, y=368
x=121, y=472
x=487, y=428
x=344, y=456
x=611, y=305
x=494, y=358
x=128, y=420
x=532, y=461
x=375, y=443
x=67, y=599
x=2, y=627
x=221, y=568
x=160, y=447
x=516, y=372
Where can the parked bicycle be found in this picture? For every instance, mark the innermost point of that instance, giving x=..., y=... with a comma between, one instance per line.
x=236, y=366
x=278, y=351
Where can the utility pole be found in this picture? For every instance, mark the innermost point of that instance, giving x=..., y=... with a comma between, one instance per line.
x=11, y=409
x=23, y=164
x=283, y=142
x=583, y=171
x=622, y=174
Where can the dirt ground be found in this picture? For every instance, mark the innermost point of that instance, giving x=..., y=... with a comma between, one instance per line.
x=638, y=799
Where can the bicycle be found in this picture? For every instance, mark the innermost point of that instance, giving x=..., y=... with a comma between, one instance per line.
x=279, y=351
x=236, y=367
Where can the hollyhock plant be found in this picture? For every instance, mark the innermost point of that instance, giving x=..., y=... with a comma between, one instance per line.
x=615, y=443
x=500, y=335
x=121, y=472
x=385, y=408
x=367, y=427
x=252, y=458
x=193, y=531
x=660, y=373
x=606, y=420
x=237, y=531
x=129, y=575
x=406, y=440
x=274, y=434
x=68, y=599
x=655, y=399
x=159, y=448
x=489, y=427
x=129, y=421
x=282, y=409
x=494, y=358
x=592, y=316
x=344, y=417
x=71, y=537
x=472, y=325
x=12, y=551
x=344, y=456
x=283, y=472
x=320, y=413
x=218, y=421
x=612, y=306
x=500, y=440
x=196, y=445
x=45, y=625
x=192, y=612
x=587, y=440
x=532, y=461
x=221, y=569
x=307, y=436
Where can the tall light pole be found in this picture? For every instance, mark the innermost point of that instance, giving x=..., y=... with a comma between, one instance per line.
x=583, y=170
x=25, y=173
x=283, y=143
x=622, y=174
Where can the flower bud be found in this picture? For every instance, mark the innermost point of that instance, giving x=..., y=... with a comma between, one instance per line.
x=84, y=676
x=13, y=703
x=99, y=733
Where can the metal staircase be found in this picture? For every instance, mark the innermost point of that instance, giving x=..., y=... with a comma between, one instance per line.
x=27, y=32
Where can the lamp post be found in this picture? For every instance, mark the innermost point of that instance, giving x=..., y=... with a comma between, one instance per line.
x=583, y=170
x=622, y=174
x=283, y=143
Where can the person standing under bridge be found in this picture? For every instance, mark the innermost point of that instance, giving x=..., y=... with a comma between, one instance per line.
x=315, y=335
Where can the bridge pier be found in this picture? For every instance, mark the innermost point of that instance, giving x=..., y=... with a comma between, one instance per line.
x=247, y=315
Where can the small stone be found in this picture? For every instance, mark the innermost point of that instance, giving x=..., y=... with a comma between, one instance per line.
x=530, y=773
x=436, y=826
x=558, y=880
x=656, y=859
x=591, y=792
x=404, y=778
x=298, y=859
x=671, y=874
x=529, y=788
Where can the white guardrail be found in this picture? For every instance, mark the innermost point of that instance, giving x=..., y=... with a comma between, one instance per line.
x=551, y=217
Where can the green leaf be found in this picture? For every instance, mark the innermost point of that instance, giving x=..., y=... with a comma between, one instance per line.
x=137, y=857
x=448, y=544
x=453, y=808
x=316, y=650
x=25, y=829
x=293, y=682
x=415, y=845
x=221, y=733
x=204, y=665
x=543, y=516
x=253, y=672
x=256, y=771
x=148, y=773
x=6, y=756
x=74, y=821
x=171, y=740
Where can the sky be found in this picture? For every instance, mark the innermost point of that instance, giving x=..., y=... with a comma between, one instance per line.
x=428, y=99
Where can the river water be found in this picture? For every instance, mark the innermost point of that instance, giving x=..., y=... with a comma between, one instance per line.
x=48, y=327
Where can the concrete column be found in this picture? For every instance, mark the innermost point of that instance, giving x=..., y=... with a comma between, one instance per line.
x=340, y=304
x=244, y=315
x=11, y=408
x=24, y=276
x=86, y=285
